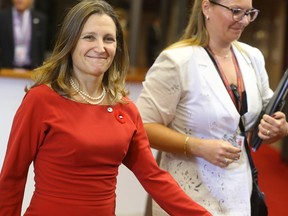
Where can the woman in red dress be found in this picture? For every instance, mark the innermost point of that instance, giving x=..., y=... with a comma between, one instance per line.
x=77, y=126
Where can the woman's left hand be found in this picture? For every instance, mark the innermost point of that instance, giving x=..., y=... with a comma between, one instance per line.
x=272, y=128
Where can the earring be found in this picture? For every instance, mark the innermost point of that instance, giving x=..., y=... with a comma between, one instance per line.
x=207, y=17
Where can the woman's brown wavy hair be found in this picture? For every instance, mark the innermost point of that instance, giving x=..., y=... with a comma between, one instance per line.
x=57, y=69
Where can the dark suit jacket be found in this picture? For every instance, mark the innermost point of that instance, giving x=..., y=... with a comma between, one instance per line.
x=38, y=39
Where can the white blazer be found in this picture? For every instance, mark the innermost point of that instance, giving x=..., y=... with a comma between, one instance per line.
x=184, y=91
x=186, y=78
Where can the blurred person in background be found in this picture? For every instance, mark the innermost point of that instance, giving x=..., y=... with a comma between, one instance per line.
x=22, y=36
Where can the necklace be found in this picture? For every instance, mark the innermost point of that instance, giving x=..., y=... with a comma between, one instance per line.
x=239, y=88
x=225, y=57
x=86, y=97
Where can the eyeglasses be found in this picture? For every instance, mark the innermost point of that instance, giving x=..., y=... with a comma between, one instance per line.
x=238, y=14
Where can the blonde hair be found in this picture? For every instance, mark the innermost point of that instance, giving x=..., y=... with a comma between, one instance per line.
x=195, y=32
x=57, y=70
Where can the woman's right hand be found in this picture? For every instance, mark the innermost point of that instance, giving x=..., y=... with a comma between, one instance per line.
x=218, y=152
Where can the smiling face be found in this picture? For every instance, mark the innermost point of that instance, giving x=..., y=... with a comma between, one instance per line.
x=221, y=25
x=96, y=47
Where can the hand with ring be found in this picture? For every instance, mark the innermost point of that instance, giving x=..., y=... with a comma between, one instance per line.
x=224, y=163
x=272, y=128
x=218, y=152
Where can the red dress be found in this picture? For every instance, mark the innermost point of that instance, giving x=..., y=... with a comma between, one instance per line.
x=76, y=150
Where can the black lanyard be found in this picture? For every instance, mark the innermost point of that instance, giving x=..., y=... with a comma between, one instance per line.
x=241, y=124
x=232, y=89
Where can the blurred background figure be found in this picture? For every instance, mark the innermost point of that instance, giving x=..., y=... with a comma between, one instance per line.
x=123, y=19
x=154, y=35
x=22, y=35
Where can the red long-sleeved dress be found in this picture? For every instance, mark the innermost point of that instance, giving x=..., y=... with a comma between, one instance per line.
x=76, y=150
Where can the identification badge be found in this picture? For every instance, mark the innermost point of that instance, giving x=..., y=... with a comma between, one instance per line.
x=237, y=141
x=240, y=141
x=20, y=55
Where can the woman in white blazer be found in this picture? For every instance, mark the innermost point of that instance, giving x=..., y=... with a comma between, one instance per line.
x=192, y=116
